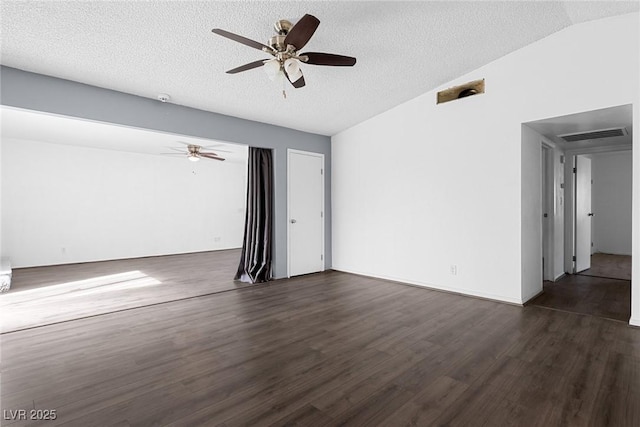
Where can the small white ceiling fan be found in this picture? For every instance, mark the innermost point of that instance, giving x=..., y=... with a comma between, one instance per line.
x=196, y=152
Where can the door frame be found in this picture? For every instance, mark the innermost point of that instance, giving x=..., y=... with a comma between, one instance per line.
x=547, y=171
x=570, y=211
x=324, y=218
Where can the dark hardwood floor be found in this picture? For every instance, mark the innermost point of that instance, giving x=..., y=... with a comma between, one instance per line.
x=599, y=291
x=323, y=350
x=596, y=296
x=610, y=266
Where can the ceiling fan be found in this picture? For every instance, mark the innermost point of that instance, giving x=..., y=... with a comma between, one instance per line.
x=195, y=152
x=284, y=47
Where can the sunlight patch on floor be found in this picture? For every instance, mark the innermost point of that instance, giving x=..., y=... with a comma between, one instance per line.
x=95, y=285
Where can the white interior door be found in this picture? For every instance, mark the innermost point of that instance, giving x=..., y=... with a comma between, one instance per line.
x=583, y=214
x=306, y=212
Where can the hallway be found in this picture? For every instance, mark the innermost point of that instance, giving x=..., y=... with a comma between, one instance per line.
x=610, y=266
x=604, y=290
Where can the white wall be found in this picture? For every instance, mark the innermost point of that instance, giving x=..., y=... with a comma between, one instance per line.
x=1, y=252
x=611, y=202
x=1, y=180
x=65, y=204
x=422, y=187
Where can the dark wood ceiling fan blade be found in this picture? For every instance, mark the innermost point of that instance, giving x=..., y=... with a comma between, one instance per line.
x=298, y=83
x=319, y=58
x=302, y=31
x=211, y=156
x=245, y=67
x=245, y=41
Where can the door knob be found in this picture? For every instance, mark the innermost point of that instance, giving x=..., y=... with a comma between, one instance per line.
x=590, y=214
x=293, y=221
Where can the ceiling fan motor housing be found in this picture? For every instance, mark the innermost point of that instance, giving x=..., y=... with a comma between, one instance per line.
x=282, y=27
x=277, y=42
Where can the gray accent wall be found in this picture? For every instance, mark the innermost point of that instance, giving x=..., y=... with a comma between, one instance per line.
x=21, y=89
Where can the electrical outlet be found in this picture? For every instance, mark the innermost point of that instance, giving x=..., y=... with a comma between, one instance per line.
x=454, y=269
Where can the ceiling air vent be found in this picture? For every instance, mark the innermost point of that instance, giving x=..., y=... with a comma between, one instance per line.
x=593, y=134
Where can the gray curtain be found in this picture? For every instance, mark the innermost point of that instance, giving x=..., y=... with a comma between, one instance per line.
x=255, y=260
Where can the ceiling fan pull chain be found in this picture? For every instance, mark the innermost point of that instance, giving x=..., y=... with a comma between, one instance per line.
x=284, y=93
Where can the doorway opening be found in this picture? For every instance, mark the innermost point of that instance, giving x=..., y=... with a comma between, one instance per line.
x=586, y=211
x=98, y=219
x=603, y=202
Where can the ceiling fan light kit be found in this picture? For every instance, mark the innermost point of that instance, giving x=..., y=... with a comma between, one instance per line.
x=292, y=69
x=284, y=48
x=273, y=68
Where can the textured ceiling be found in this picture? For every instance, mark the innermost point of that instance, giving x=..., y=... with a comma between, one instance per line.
x=151, y=47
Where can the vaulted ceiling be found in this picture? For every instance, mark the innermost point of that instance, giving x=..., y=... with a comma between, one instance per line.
x=403, y=49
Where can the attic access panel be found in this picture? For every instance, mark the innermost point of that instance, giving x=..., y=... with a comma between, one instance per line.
x=475, y=87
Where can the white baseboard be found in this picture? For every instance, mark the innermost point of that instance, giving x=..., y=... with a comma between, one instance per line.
x=459, y=291
x=560, y=276
x=634, y=322
x=537, y=294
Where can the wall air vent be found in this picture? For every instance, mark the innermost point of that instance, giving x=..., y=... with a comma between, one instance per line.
x=593, y=134
x=475, y=87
